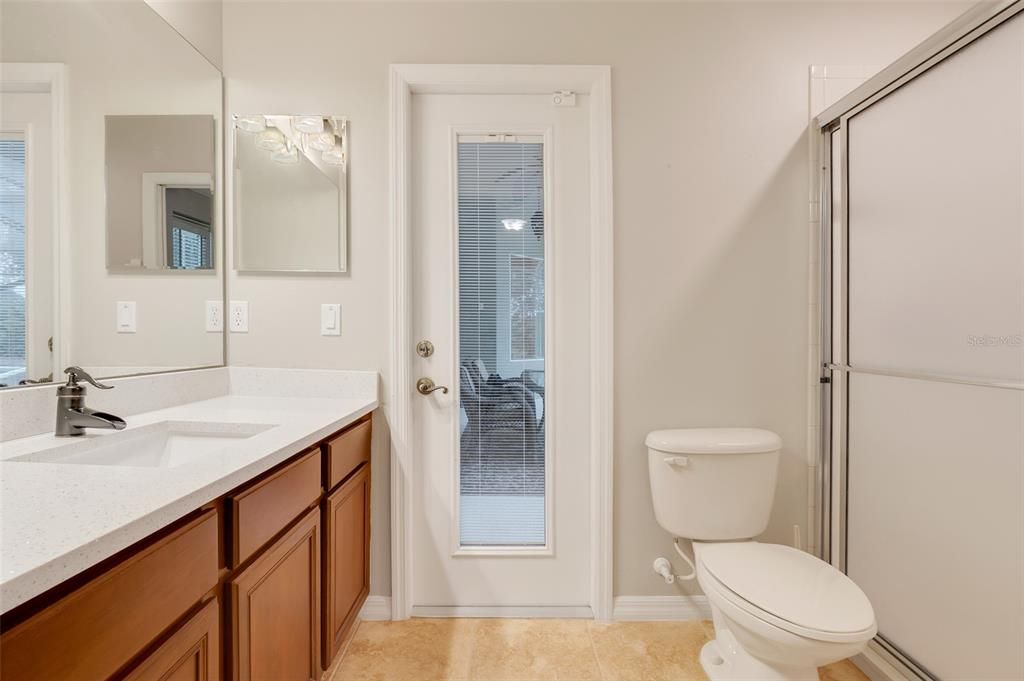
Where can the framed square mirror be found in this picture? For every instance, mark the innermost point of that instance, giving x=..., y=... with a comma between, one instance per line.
x=290, y=193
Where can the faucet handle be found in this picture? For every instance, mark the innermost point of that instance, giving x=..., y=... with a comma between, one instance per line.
x=75, y=373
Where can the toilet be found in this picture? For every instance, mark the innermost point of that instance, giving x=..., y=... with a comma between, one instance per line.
x=779, y=613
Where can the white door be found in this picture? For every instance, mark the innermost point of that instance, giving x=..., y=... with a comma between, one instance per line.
x=27, y=281
x=501, y=507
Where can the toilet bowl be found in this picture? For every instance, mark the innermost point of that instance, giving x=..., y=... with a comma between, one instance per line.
x=779, y=613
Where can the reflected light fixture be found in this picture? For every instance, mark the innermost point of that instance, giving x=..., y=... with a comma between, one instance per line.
x=270, y=139
x=514, y=224
x=310, y=124
x=287, y=155
x=334, y=156
x=320, y=141
x=251, y=123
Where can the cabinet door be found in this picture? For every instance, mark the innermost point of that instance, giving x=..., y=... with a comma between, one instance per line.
x=346, y=558
x=103, y=625
x=275, y=609
x=192, y=653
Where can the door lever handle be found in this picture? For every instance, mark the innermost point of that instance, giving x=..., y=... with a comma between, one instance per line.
x=425, y=386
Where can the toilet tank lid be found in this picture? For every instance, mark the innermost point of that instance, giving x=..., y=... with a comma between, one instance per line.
x=714, y=441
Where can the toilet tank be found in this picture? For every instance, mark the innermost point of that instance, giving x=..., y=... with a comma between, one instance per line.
x=713, y=484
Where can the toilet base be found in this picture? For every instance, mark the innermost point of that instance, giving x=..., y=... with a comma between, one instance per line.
x=724, y=660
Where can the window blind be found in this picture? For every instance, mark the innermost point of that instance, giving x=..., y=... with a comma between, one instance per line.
x=500, y=201
x=12, y=257
x=190, y=243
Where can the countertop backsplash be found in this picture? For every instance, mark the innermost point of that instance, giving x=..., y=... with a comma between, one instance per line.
x=31, y=410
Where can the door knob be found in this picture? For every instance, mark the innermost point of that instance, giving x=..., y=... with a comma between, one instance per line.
x=425, y=386
x=424, y=348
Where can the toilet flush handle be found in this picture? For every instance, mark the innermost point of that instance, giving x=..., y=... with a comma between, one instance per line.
x=680, y=461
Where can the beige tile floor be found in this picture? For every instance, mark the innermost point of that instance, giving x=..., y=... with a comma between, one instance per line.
x=531, y=650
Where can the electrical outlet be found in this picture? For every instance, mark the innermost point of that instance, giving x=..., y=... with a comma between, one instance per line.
x=126, y=316
x=214, y=316
x=330, y=319
x=239, y=316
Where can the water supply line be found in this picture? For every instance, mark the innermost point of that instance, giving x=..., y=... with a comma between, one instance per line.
x=663, y=567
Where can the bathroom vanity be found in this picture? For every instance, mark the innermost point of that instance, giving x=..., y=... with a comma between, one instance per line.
x=248, y=561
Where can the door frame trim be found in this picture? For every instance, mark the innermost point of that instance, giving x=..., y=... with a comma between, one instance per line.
x=595, y=81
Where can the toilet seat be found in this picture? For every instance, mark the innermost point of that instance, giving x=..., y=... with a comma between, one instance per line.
x=787, y=588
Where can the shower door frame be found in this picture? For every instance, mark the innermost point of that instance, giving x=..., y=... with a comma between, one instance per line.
x=882, y=659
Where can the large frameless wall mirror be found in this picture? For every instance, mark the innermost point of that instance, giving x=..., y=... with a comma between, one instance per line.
x=290, y=193
x=110, y=165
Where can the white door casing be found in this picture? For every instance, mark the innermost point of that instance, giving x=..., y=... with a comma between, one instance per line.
x=47, y=272
x=407, y=80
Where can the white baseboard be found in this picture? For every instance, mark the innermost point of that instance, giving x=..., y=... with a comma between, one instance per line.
x=376, y=609
x=626, y=608
x=661, y=608
x=512, y=611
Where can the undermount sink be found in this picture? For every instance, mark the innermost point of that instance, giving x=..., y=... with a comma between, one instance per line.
x=167, y=444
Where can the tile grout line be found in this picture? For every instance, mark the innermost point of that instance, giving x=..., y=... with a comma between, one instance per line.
x=344, y=651
x=471, y=654
x=593, y=650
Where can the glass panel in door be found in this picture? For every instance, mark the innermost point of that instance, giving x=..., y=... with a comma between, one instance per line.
x=502, y=478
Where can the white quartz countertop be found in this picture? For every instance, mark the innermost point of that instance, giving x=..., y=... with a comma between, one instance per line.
x=57, y=519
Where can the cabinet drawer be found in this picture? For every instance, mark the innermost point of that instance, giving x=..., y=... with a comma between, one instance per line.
x=347, y=451
x=192, y=653
x=94, y=631
x=262, y=510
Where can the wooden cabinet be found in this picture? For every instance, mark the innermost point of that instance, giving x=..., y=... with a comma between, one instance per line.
x=192, y=653
x=291, y=567
x=275, y=609
x=346, y=558
x=97, y=629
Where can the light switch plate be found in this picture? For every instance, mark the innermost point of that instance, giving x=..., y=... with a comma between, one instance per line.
x=238, y=321
x=126, y=316
x=330, y=319
x=214, y=316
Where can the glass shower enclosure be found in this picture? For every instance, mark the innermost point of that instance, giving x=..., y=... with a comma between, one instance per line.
x=922, y=492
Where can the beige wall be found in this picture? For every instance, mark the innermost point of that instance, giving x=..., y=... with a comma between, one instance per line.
x=711, y=188
x=199, y=21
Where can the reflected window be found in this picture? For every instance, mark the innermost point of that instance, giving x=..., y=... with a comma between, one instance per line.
x=12, y=258
x=189, y=232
